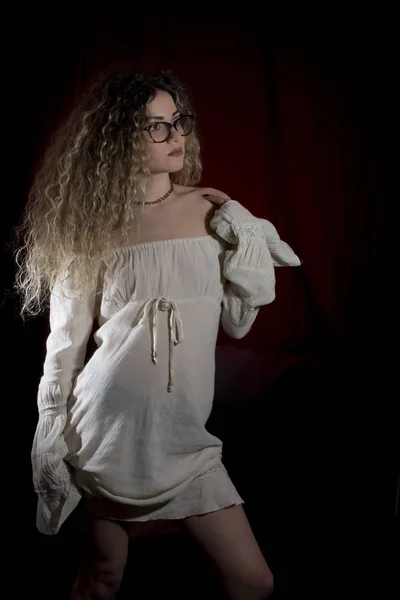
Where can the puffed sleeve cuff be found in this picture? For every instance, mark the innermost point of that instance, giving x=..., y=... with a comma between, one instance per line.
x=233, y=220
x=52, y=409
x=52, y=479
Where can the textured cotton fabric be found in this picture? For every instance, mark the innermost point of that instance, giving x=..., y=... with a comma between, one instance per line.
x=127, y=430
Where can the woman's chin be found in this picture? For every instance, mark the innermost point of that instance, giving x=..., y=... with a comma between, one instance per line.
x=175, y=168
x=169, y=168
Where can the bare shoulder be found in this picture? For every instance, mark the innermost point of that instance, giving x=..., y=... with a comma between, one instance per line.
x=201, y=209
x=213, y=192
x=205, y=204
x=196, y=210
x=197, y=192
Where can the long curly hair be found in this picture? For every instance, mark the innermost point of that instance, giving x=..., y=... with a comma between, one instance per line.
x=93, y=168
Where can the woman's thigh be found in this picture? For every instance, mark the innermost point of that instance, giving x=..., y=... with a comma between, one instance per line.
x=228, y=540
x=104, y=546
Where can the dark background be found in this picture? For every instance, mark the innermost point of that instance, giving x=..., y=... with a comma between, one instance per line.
x=297, y=115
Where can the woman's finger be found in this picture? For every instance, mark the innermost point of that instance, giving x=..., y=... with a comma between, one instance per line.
x=215, y=199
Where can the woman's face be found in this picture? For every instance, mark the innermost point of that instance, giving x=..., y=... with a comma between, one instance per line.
x=163, y=109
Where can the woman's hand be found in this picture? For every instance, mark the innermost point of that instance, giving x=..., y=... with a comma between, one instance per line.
x=215, y=199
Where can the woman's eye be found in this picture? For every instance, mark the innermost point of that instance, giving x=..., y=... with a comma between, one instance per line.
x=154, y=127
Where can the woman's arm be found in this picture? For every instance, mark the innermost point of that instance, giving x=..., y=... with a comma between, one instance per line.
x=254, y=249
x=71, y=322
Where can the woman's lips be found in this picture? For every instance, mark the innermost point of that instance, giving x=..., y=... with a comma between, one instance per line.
x=176, y=152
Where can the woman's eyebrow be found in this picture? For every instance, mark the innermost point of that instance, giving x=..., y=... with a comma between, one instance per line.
x=162, y=118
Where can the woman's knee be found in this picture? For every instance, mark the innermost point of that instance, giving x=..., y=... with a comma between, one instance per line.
x=105, y=581
x=266, y=586
x=98, y=581
x=254, y=587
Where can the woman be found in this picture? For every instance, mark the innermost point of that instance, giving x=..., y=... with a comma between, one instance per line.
x=117, y=234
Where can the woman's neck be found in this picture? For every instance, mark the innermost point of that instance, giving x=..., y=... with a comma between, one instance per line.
x=157, y=187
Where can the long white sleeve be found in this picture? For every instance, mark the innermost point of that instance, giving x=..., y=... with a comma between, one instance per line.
x=248, y=266
x=71, y=321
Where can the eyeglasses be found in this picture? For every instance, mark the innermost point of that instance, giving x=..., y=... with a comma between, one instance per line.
x=161, y=131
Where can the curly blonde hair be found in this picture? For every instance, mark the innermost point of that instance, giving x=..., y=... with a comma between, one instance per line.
x=93, y=168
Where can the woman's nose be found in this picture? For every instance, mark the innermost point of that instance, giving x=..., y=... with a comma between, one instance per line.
x=174, y=134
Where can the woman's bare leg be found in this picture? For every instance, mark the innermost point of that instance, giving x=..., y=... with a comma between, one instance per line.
x=104, y=554
x=228, y=540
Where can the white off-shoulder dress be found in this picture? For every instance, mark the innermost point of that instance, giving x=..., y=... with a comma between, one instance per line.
x=126, y=432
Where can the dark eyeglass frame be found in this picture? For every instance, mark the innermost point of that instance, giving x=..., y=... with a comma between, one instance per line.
x=170, y=126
